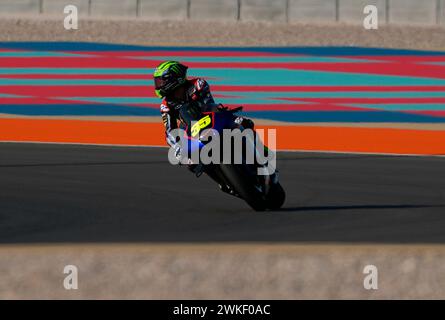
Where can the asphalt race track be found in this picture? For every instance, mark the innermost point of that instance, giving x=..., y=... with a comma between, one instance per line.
x=77, y=194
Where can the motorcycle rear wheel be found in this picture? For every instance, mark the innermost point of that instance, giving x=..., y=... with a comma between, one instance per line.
x=275, y=197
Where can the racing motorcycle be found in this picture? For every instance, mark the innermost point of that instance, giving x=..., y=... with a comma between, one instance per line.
x=240, y=179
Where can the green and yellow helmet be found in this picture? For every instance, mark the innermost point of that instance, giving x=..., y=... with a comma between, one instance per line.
x=168, y=76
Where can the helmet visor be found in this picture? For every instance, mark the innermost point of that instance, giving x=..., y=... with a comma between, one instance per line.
x=159, y=82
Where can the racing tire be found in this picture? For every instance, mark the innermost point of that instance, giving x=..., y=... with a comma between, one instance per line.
x=275, y=197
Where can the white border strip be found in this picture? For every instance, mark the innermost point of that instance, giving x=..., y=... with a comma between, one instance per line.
x=281, y=150
x=85, y=144
x=365, y=153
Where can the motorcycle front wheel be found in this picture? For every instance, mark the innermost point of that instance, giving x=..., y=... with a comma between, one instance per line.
x=241, y=181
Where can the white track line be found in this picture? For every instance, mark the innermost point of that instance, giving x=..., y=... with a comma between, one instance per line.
x=281, y=150
x=86, y=144
x=364, y=153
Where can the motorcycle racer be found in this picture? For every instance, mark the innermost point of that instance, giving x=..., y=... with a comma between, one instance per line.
x=175, y=89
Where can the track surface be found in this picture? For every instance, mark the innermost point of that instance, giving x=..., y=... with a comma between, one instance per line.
x=62, y=193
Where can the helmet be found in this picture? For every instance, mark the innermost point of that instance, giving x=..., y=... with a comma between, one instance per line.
x=168, y=76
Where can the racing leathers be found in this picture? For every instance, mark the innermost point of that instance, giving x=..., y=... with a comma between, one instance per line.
x=198, y=91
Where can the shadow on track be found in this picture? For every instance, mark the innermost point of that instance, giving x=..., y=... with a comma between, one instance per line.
x=356, y=207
